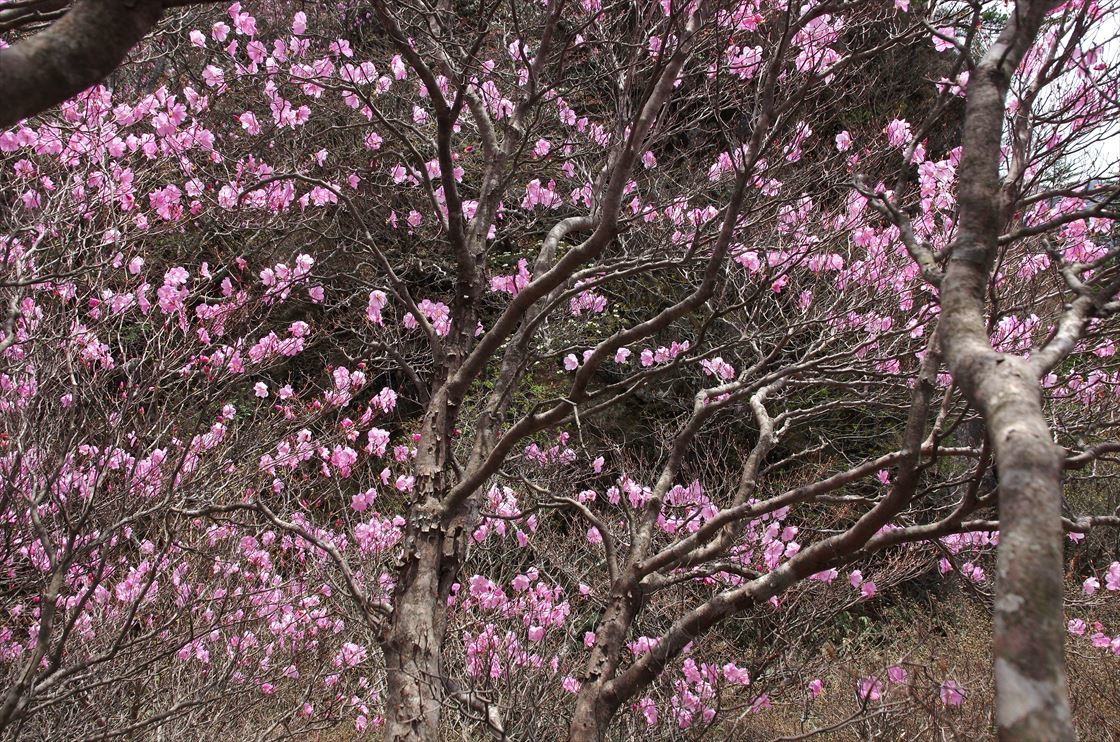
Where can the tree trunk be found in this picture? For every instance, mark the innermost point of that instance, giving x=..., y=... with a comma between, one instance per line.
x=591, y=716
x=1032, y=700
x=1029, y=636
x=595, y=703
x=414, y=640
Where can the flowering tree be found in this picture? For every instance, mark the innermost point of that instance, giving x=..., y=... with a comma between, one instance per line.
x=325, y=329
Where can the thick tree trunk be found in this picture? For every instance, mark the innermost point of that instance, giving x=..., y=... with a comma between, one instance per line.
x=1031, y=691
x=414, y=639
x=1029, y=636
x=591, y=716
x=595, y=704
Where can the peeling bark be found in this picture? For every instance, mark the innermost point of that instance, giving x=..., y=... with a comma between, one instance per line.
x=413, y=644
x=595, y=706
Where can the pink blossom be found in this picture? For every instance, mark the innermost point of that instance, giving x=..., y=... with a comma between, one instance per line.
x=350, y=655
x=718, y=367
x=951, y=693
x=363, y=500
x=396, y=64
x=513, y=284
x=249, y=123
x=898, y=132
x=642, y=645
x=736, y=675
x=377, y=302
x=942, y=44
x=870, y=689
x=1112, y=577
x=827, y=576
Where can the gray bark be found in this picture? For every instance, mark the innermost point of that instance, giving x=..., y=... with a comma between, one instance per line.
x=1031, y=691
x=79, y=50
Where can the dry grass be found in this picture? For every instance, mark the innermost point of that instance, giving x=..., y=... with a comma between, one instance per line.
x=955, y=643
x=950, y=638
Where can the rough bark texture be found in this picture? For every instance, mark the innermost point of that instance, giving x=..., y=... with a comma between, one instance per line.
x=413, y=660
x=434, y=548
x=75, y=52
x=1031, y=693
x=595, y=704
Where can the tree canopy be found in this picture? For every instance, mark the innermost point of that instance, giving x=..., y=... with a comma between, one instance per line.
x=566, y=369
